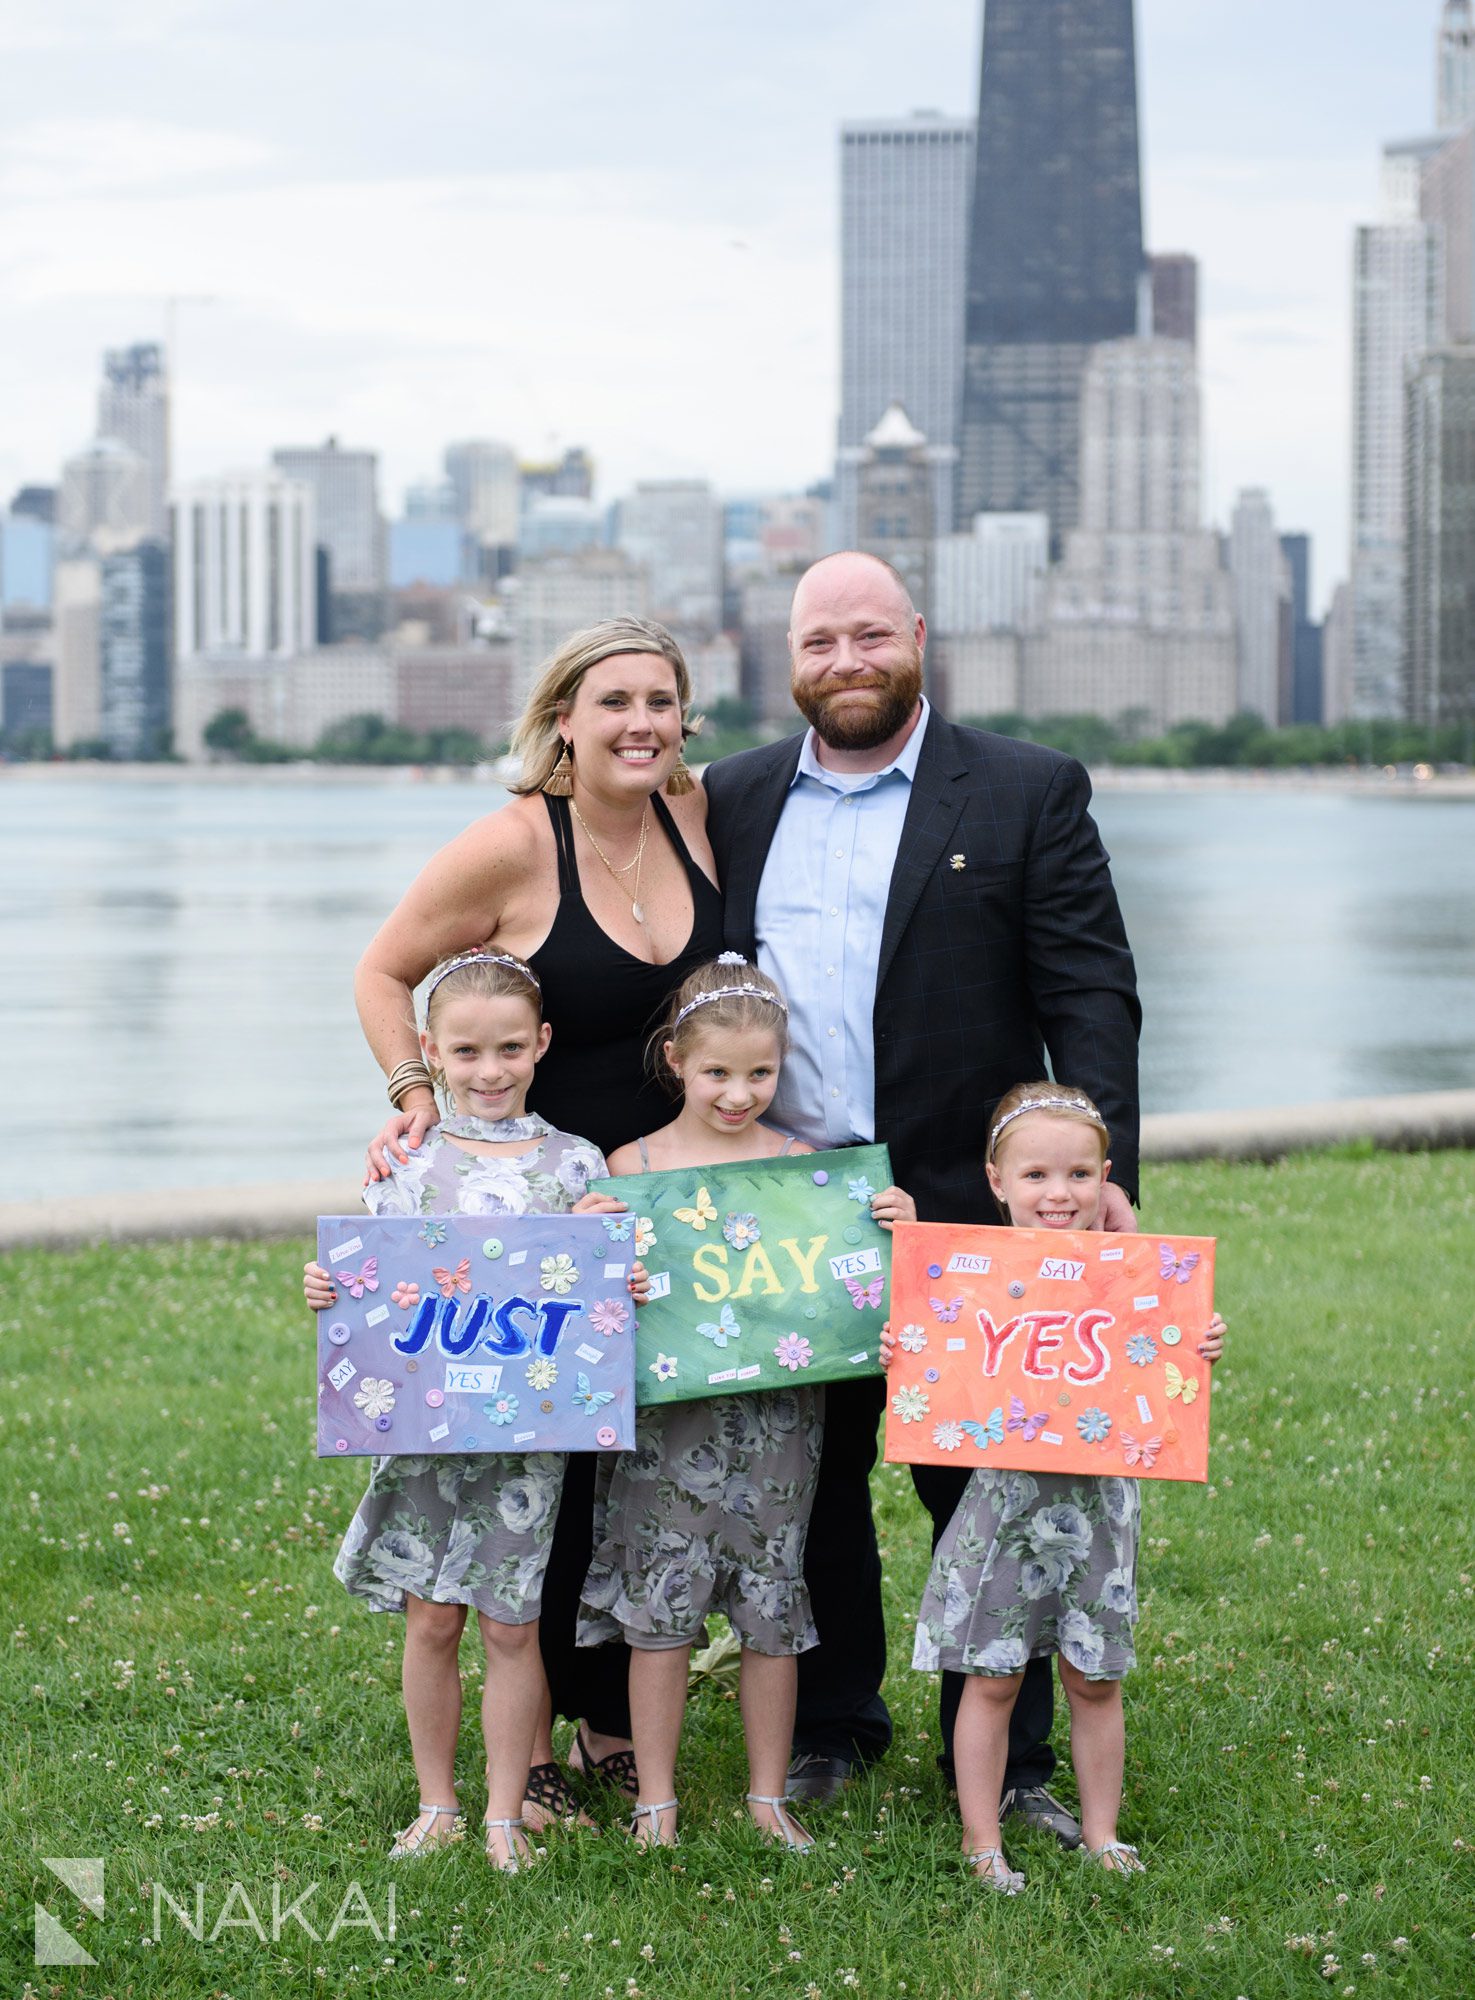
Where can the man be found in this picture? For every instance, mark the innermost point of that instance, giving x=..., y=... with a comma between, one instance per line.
x=936, y=904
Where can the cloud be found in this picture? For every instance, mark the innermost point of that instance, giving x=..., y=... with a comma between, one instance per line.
x=116, y=158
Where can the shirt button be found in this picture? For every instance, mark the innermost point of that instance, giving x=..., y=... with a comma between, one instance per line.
x=829, y=972
x=829, y=1031
x=839, y=853
x=833, y=911
x=835, y=1093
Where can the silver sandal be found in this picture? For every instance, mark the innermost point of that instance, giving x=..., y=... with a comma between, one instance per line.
x=520, y=1850
x=789, y=1831
x=998, y=1874
x=1117, y=1858
x=404, y=1846
x=652, y=1814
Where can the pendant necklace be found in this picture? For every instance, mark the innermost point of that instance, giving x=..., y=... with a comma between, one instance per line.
x=637, y=908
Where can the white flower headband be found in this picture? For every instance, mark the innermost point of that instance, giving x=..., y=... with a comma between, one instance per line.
x=483, y=958
x=745, y=990
x=1081, y=1106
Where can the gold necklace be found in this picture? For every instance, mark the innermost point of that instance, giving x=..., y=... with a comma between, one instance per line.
x=637, y=909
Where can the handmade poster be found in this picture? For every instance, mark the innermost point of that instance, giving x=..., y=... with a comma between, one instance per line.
x=1050, y=1350
x=474, y=1333
x=764, y=1273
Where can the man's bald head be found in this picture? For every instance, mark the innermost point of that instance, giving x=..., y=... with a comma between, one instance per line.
x=855, y=651
x=847, y=573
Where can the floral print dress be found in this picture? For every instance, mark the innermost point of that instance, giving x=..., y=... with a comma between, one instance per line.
x=1030, y=1566
x=709, y=1512
x=452, y=1529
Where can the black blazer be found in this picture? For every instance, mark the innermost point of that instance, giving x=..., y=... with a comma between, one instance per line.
x=983, y=968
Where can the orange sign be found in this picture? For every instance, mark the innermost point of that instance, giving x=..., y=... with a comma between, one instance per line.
x=1053, y=1350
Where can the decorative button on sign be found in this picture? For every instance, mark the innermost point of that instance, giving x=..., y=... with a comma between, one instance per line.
x=492, y=1247
x=338, y=1333
x=1016, y=1289
x=605, y=1435
x=1172, y=1335
x=382, y=1423
x=469, y=1441
x=821, y=1178
x=434, y=1398
x=412, y=1368
x=931, y=1374
x=342, y=1444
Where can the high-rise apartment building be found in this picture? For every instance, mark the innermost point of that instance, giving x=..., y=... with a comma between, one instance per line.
x=991, y=579
x=133, y=407
x=905, y=189
x=674, y=528
x=488, y=490
x=105, y=499
x=245, y=578
x=1055, y=260
x=1454, y=90
x=562, y=594
x=133, y=649
x=1174, y=277
x=1439, y=662
x=1262, y=606
x=76, y=609
x=900, y=481
x=345, y=491
x=568, y=478
x=1306, y=634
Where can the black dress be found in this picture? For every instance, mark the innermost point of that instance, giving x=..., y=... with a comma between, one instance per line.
x=603, y=1004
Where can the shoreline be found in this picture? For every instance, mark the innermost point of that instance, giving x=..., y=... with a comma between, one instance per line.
x=1325, y=780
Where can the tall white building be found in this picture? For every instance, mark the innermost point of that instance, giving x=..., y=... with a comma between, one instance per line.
x=674, y=527
x=562, y=594
x=245, y=583
x=104, y=502
x=1262, y=598
x=906, y=185
x=1454, y=90
x=345, y=490
x=991, y=579
x=488, y=490
x=76, y=611
x=133, y=407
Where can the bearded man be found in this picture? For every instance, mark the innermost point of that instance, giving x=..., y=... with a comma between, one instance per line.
x=936, y=905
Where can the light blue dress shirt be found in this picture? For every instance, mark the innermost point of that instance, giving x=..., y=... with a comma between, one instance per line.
x=821, y=905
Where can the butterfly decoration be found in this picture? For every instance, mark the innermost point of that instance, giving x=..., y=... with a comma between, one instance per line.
x=948, y=1309
x=1170, y=1267
x=1029, y=1427
x=590, y=1399
x=991, y=1432
x=700, y=1213
x=1144, y=1449
x=723, y=1329
x=865, y=1295
x=448, y=1283
x=432, y=1234
x=1180, y=1384
x=617, y=1227
x=361, y=1281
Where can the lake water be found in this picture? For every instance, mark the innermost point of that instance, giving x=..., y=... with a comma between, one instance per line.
x=175, y=1003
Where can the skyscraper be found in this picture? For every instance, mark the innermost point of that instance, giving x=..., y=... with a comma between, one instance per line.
x=345, y=490
x=905, y=188
x=133, y=407
x=674, y=527
x=1174, y=295
x=1055, y=246
x=244, y=575
x=134, y=651
x=1439, y=657
x=1455, y=76
x=1262, y=605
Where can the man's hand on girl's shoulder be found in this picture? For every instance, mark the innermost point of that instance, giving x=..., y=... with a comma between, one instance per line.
x=1117, y=1212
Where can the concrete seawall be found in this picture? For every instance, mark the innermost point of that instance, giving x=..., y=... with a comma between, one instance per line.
x=1430, y=1121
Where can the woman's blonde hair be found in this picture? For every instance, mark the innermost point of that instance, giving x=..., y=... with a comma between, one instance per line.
x=536, y=740
x=489, y=975
x=727, y=994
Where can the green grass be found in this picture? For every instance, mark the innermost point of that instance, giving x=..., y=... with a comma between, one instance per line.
x=188, y=1693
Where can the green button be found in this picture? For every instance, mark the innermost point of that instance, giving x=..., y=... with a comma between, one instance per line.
x=492, y=1247
x=1172, y=1335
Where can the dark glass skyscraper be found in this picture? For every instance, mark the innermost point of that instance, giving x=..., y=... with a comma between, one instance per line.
x=1055, y=245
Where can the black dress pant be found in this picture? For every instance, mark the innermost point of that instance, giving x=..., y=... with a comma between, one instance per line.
x=588, y=1682
x=1031, y=1759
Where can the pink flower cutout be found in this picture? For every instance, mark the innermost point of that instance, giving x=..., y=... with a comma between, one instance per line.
x=609, y=1316
x=794, y=1352
x=405, y=1295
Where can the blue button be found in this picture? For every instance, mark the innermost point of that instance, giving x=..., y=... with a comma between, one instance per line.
x=382, y=1423
x=931, y=1374
x=469, y=1441
x=821, y=1178
x=338, y=1333
x=934, y=1270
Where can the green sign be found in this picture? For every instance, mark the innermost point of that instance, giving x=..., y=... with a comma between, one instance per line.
x=765, y=1273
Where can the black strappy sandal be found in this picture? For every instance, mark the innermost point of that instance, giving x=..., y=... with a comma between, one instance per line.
x=617, y=1770
x=548, y=1787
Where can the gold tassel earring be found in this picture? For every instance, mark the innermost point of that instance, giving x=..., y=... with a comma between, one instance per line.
x=680, y=781
x=560, y=780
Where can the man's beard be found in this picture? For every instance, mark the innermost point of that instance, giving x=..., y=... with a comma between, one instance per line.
x=848, y=725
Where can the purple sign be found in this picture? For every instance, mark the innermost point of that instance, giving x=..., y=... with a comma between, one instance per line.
x=475, y=1333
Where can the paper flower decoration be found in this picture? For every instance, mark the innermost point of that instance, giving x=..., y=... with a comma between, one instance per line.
x=741, y=1231
x=861, y=1191
x=617, y=1227
x=700, y=1213
x=912, y=1338
x=432, y=1233
x=664, y=1368
x=501, y=1409
x=1142, y=1349
x=405, y=1295
x=375, y=1396
x=911, y=1405
x=542, y=1374
x=794, y=1352
x=645, y=1234
x=1093, y=1425
x=609, y=1316
x=947, y=1436
x=559, y=1274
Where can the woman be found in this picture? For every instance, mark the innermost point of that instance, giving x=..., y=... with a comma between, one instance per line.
x=608, y=892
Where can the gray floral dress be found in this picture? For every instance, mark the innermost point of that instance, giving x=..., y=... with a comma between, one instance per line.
x=464, y=1530
x=1029, y=1566
x=708, y=1513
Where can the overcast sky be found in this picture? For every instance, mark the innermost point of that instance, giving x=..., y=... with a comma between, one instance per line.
x=614, y=222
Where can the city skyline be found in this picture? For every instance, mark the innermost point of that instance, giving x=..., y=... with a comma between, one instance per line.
x=693, y=330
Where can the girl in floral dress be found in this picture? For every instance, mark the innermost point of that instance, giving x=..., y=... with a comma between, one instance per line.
x=1033, y=1564
x=711, y=1509
x=434, y=1536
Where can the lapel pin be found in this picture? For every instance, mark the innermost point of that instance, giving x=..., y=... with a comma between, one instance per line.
x=960, y=861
